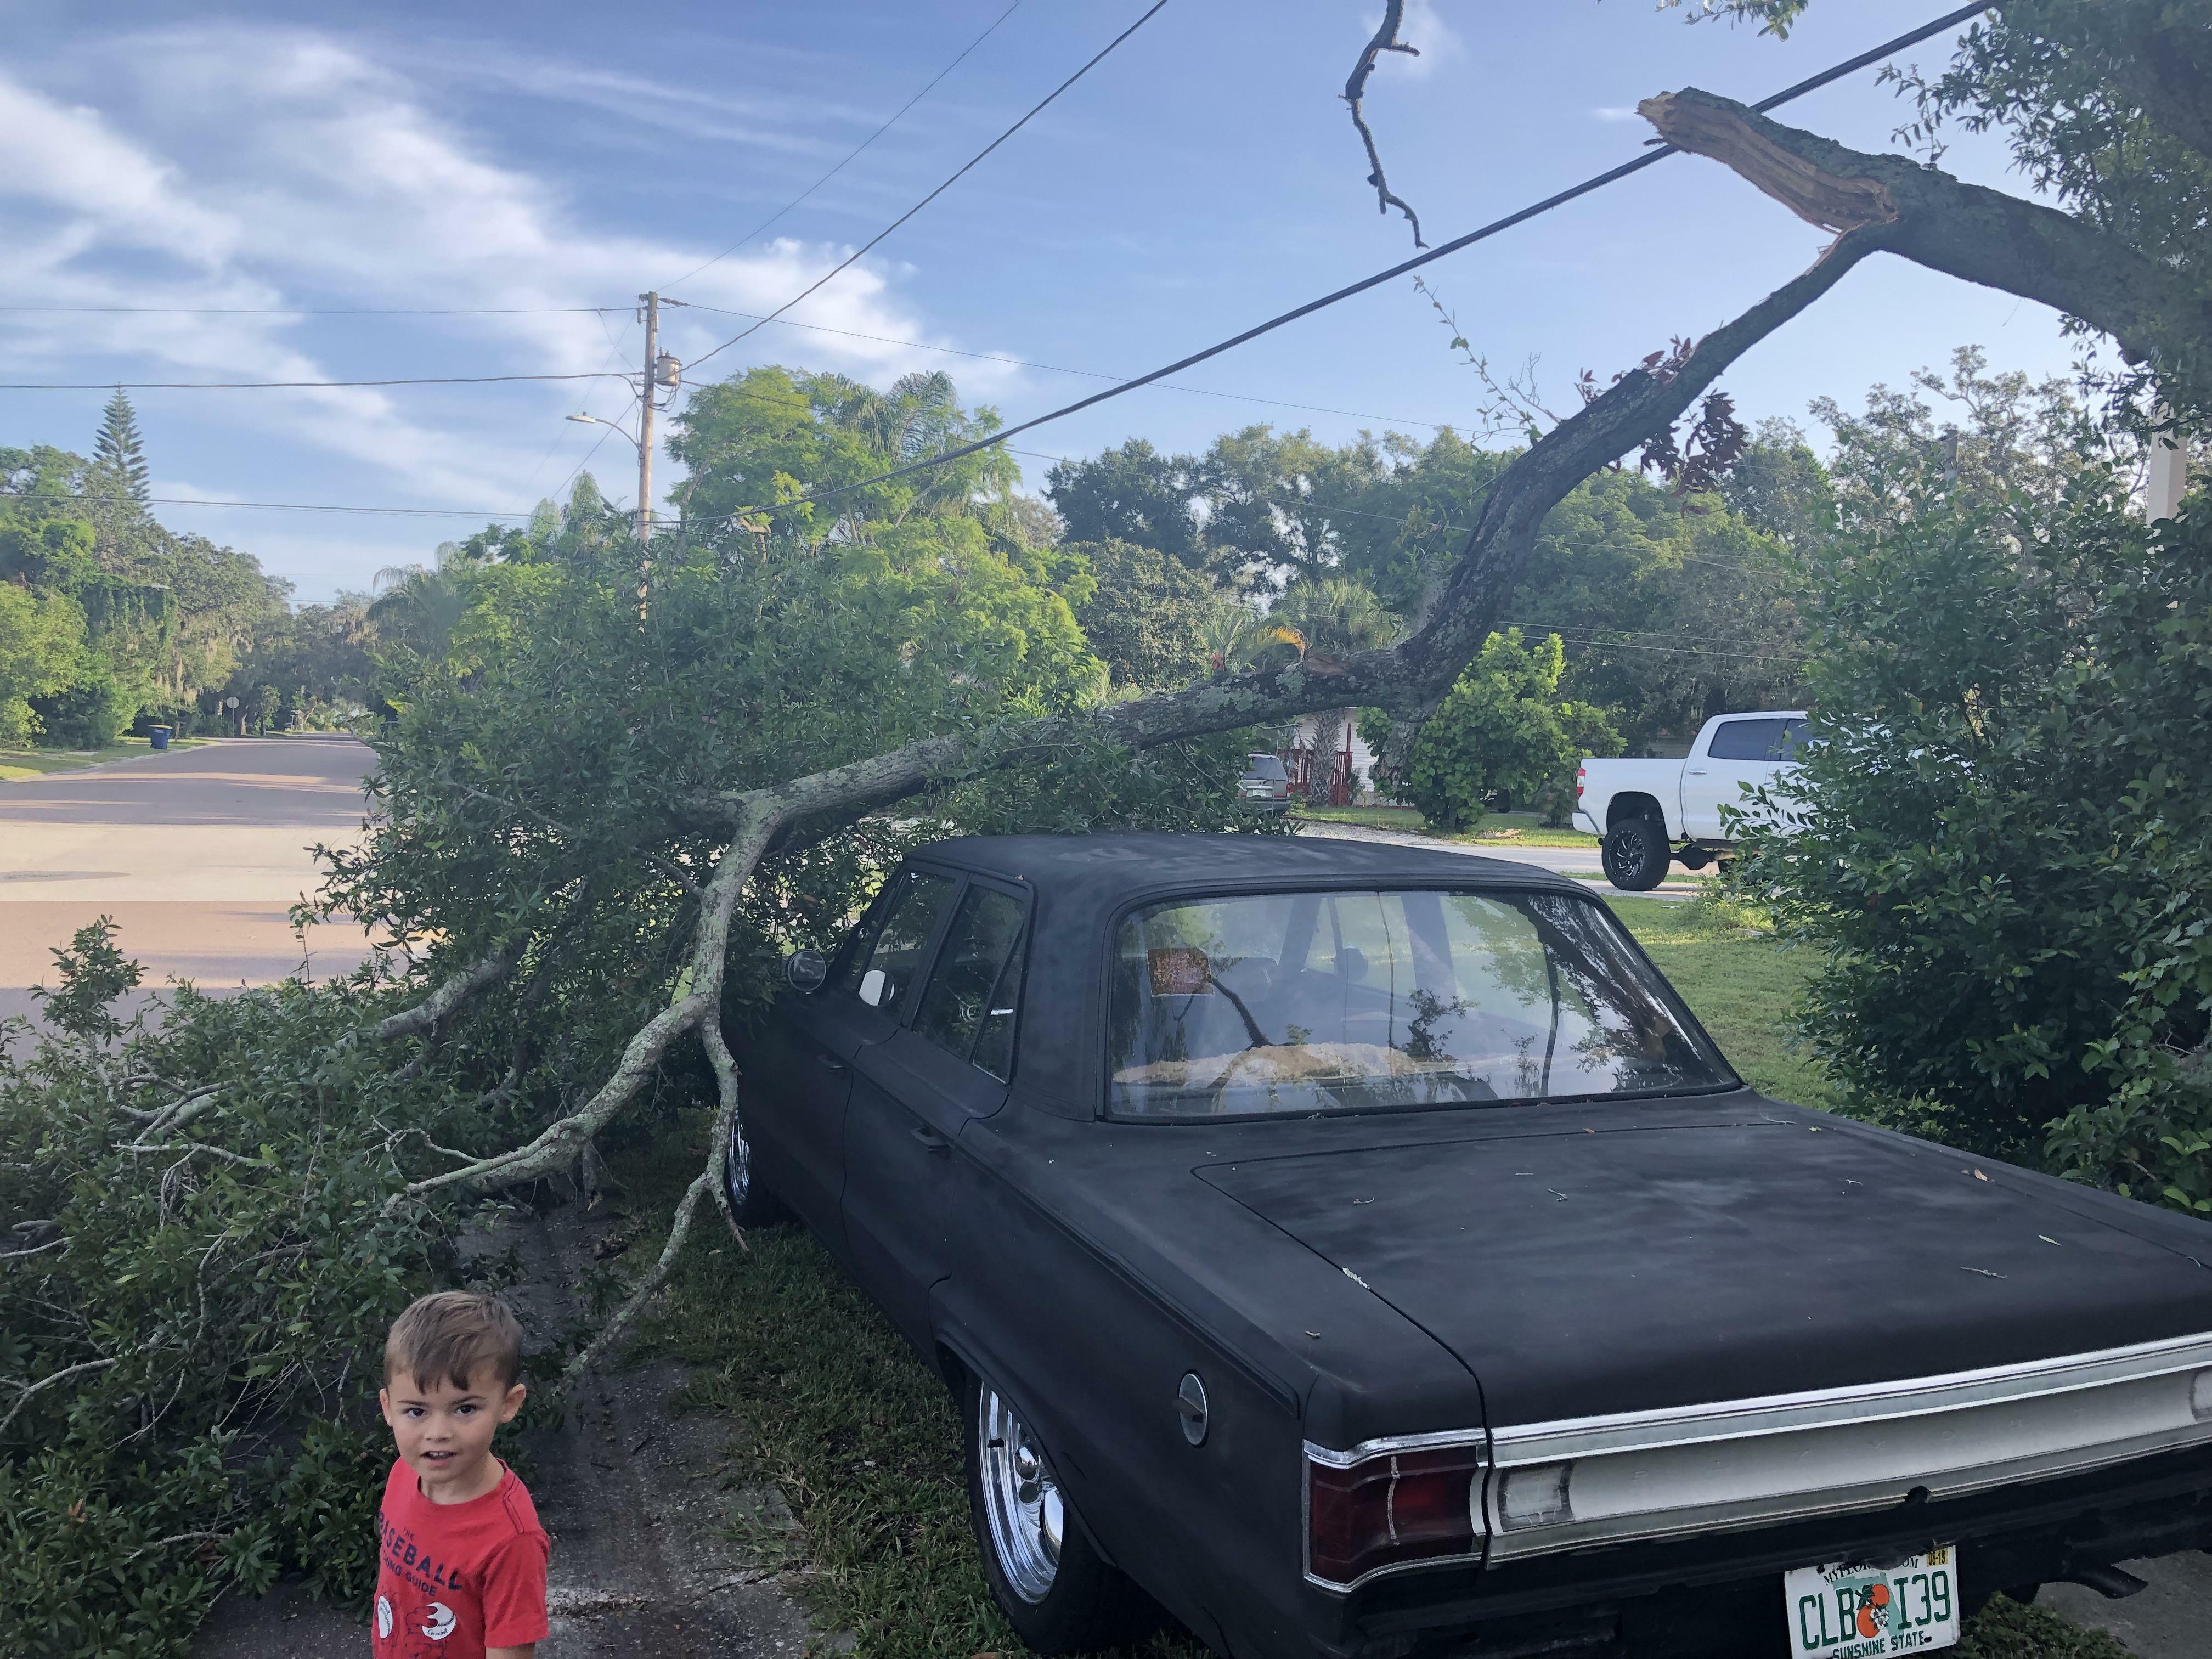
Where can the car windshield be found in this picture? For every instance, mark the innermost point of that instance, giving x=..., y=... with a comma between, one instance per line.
x=1359, y=1001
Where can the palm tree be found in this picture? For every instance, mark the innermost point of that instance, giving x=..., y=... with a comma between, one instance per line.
x=1324, y=620
x=417, y=605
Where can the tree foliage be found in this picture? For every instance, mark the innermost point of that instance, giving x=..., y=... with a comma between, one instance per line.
x=199, y=1270
x=2005, y=845
x=546, y=769
x=118, y=453
x=1504, y=728
x=166, y=617
x=1147, y=616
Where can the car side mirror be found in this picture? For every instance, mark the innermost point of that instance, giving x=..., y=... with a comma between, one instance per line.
x=806, y=971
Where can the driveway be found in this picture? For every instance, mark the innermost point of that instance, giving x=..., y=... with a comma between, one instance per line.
x=1582, y=861
x=196, y=854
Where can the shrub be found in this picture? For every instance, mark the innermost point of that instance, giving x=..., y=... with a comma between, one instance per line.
x=194, y=1289
x=1503, y=727
x=2007, y=841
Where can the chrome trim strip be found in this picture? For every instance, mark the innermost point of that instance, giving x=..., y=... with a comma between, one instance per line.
x=1582, y=1437
x=1796, y=1425
x=1475, y=1439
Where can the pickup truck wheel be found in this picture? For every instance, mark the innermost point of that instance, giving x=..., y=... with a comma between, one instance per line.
x=1635, y=854
x=1054, y=1589
x=752, y=1205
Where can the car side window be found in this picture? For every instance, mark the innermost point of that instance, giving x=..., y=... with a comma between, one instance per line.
x=879, y=964
x=1750, y=740
x=969, y=1008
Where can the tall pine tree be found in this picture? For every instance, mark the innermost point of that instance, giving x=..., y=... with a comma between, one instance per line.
x=120, y=453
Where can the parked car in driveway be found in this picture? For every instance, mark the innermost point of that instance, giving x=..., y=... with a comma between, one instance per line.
x=1361, y=1250
x=1651, y=812
x=1266, y=784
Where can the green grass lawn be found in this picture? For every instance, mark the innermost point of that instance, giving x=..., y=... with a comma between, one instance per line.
x=865, y=1442
x=37, y=762
x=1525, y=828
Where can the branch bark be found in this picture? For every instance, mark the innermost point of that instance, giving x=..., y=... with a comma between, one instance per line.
x=1979, y=235
x=457, y=988
x=1386, y=40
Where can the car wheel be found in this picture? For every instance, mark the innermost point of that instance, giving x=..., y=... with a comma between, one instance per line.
x=1635, y=854
x=752, y=1205
x=1058, y=1593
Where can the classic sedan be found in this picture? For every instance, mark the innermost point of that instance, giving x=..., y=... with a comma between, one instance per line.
x=1359, y=1250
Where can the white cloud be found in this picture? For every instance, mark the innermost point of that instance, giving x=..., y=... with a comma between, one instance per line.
x=248, y=168
x=70, y=159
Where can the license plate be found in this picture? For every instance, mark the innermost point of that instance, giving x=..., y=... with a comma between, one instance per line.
x=1849, y=1611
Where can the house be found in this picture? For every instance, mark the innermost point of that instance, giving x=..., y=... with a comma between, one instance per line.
x=1353, y=769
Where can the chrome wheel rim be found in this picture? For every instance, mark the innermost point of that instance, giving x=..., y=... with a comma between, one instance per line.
x=1022, y=1503
x=737, y=1166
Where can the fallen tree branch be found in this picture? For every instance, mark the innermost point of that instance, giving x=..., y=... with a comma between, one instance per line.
x=1966, y=231
x=679, y=1230
x=1386, y=40
x=25, y=1392
x=451, y=992
x=726, y=1116
x=188, y=1148
x=1413, y=674
x=559, y=1144
x=709, y=1180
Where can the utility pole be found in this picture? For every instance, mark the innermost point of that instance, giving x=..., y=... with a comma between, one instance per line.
x=651, y=302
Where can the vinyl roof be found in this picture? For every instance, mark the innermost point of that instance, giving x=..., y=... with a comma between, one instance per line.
x=1113, y=866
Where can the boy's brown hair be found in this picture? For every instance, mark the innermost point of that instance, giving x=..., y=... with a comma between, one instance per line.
x=452, y=1334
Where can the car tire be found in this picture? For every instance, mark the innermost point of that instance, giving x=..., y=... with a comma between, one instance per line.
x=1635, y=854
x=752, y=1205
x=1056, y=1591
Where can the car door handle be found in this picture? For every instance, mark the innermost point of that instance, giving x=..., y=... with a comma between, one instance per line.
x=831, y=1063
x=1697, y=771
x=936, y=1143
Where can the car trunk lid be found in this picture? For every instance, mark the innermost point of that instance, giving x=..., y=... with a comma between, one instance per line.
x=1639, y=1265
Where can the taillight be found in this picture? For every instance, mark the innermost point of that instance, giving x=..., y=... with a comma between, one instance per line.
x=1581, y=772
x=1397, y=1507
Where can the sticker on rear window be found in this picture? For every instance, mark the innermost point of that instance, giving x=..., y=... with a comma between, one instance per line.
x=1179, y=970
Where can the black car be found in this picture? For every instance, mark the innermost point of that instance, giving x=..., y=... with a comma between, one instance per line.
x=1364, y=1252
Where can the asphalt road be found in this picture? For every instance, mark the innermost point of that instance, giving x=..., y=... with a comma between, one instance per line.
x=197, y=854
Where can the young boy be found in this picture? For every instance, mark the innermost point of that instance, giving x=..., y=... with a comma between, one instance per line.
x=462, y=1557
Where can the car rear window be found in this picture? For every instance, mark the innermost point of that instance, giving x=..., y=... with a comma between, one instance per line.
x=1366, y=1000
x=1267, y=766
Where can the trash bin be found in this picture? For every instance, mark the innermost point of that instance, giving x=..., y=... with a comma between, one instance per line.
x=159, y=735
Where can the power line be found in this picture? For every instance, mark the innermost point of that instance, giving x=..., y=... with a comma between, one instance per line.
x=1034, y=110
x=1061, y=368
x=34, y=496
x=312, y=311
x=294, y=385
x=771, y=220
x=1649, y=158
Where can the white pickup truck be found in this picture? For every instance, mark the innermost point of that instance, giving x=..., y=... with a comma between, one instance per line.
x=1652, y=812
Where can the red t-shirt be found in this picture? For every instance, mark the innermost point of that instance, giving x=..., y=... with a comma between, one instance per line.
x=453, y=1579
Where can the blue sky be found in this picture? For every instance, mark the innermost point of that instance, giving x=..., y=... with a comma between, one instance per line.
x=1205, y=176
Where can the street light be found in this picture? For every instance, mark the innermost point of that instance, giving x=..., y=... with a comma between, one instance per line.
x=593, y=419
